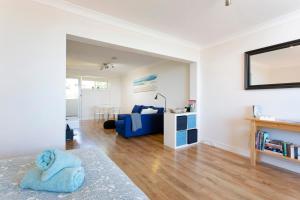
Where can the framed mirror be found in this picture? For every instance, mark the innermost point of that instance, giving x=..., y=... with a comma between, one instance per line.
x=276, y=66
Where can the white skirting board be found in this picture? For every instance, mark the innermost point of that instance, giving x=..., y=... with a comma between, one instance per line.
x=246, y=153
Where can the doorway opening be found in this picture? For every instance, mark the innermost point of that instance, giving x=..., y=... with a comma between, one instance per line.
x=106, y=80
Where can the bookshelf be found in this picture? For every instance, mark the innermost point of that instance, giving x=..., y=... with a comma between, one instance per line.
x=180, y=130
x=257, y=124
x=278, y=155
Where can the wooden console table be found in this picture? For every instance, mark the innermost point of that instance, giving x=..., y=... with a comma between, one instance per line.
x=256, y=124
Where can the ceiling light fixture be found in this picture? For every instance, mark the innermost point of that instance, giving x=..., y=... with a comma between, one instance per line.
x=228, y=2
x=107, y=66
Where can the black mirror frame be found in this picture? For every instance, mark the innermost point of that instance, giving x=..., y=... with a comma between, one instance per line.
x=247, y=75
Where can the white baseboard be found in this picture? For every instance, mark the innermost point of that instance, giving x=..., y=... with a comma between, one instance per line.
x=226, y=147
x=270, y=160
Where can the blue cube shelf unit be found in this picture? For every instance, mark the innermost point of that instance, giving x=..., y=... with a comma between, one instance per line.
x=180, y=130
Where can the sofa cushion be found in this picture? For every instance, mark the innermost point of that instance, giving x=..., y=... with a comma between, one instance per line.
x=149, y=111
x=137, y=109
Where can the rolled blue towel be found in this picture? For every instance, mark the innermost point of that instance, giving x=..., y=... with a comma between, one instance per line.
x=67, y=180
x=53, y=160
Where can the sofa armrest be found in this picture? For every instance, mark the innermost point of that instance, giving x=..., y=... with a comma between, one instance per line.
x=127, y=124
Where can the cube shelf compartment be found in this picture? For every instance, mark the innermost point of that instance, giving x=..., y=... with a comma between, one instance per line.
x=180, y=130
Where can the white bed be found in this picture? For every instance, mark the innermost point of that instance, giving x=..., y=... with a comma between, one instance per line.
x=103, y=180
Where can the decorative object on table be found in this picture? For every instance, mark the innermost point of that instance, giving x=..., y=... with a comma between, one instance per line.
x=192, y=105
x=151, y=123
x=145, y=84
x=178, y=110
x=256, y=111
x=109, y=124
x=55, y=171
x=188, y=108
x=164, y=97
x=69, y=133
x=267, y=118
x=228, y=2
x=96, y=178
x=180, y=130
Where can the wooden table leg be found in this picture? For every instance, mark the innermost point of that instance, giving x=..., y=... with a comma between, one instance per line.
x=252, y=143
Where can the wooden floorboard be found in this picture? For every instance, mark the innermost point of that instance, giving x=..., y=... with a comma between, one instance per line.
x=198, y=172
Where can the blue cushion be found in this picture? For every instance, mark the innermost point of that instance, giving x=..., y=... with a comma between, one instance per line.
x=137, y=109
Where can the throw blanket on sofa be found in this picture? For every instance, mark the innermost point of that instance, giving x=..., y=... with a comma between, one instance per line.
x=136, y=121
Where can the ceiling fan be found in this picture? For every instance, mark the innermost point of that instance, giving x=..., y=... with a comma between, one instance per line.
x=108, y=65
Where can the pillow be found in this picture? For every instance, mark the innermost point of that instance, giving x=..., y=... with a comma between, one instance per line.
x=148, y=111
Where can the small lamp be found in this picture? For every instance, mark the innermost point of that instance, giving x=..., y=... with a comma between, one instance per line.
x=163, y=96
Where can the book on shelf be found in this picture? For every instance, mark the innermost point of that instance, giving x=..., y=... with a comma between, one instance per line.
x=261, y=139
x=286, y=149
x=296, y=152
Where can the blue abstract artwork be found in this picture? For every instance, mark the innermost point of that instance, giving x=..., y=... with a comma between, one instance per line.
x=145, y=84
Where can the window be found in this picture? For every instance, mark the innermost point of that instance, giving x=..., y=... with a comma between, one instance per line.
x=72, y=88
x=88, y=84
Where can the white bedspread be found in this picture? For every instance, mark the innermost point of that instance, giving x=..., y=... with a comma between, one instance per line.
x=104, y=180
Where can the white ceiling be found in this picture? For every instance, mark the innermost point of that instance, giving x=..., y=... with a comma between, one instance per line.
x=203, y=22
x=86, y=59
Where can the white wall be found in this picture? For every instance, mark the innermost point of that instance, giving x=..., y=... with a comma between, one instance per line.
x=90, y=100
x=225, y=104
x=72, y=107
x=110, y=97
x=173, y=82
x=33, y=59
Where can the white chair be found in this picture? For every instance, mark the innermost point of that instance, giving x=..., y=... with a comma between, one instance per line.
x=106, y=113
x=98, y=113
x=114, y=112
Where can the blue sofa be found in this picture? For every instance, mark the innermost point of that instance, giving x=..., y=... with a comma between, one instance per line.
x=151, y=123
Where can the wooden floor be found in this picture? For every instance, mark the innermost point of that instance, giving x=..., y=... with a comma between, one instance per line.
x=199, y=172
